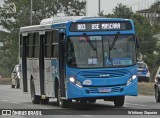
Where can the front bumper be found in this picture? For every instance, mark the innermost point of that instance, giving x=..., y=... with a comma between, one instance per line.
x=75, y=92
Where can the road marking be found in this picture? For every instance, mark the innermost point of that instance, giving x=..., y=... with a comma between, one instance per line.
x=15, y=102
x=137, y=104
x=88, y=116
x=10, y=102
x=4, y=100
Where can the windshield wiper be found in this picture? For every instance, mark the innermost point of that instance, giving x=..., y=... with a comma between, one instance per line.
x=90, y=43
x=114, y=41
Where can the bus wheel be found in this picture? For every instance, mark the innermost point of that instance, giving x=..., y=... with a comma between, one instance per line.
x=12, y=86
x=45, y=101
x=18, y=86
x=35, y=98
x=61, y=102
x=157, y=94
x=119, y=101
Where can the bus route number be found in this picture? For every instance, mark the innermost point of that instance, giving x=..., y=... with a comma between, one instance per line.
x=81, y=26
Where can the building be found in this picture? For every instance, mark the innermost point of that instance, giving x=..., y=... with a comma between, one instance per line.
x=152, y=13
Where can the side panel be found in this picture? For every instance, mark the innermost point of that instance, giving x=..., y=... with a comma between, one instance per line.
x=55, y=71
x=35, y=75
x=51, y=63
x=49, y=85
x=29, y=72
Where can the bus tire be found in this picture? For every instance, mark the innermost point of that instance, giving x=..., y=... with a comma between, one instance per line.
x=35, y=98
x=18, y=86
x=119, y=101
x=61, y=102
x=12, y=86
x=45, y=101
x=157, y=94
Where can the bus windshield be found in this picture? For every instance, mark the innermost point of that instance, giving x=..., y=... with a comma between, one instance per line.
x=95, y=51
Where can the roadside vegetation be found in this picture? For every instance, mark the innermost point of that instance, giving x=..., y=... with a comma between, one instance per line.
x=146, y=88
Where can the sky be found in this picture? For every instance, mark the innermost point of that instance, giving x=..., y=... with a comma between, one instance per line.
x=109, y=5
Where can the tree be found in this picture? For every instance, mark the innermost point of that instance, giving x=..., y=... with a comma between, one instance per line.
x=16, y=13
x=122, y=11
x=74, y=8
x=155, y=9
x=144, y=31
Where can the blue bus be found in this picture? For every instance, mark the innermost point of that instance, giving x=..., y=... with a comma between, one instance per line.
x=79, y=58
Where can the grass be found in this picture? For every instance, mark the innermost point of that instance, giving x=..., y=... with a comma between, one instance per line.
x=144, y=88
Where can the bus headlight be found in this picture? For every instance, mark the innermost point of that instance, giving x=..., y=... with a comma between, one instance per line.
x=134, y=77
x=131, y=79
x=72, y=79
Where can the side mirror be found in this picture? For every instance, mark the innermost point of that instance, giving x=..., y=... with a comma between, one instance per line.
x=137, y=42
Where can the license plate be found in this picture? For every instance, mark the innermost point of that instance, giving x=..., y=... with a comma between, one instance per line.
x=104, y=90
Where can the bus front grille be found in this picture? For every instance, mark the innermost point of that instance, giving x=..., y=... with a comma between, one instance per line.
x=110, y=90
x=103, y=74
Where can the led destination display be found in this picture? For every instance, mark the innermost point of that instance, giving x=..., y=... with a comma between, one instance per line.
x=100, y=26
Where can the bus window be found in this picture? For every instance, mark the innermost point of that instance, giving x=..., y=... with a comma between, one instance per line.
x=30, y=45
x=97, y=53
x=35, y=45
x=48, y=37
x=85, y=54
x=54, y=50
x=55, y=37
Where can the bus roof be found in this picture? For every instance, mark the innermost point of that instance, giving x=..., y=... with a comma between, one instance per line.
x=47, y=23
x=34, y=28
x=58, y=20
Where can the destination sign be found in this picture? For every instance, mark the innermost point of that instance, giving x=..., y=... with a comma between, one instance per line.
x=100, y=26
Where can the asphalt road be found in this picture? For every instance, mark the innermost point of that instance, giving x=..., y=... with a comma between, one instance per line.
x=16, y=99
